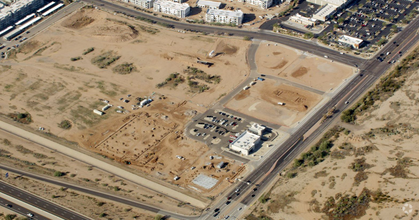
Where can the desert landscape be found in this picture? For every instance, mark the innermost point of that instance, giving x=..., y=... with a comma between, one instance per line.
x=261, y=101
x=364, y=170
x=301, y=67
x=93, y=60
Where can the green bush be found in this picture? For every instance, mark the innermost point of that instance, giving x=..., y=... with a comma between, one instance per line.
x=65, y=124
x=58, y=174
x=89, y=50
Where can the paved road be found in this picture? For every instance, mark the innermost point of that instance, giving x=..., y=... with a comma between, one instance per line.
x=296, y=43
x=173, y=193
x=20, y=209
x=43, y=24
x=87, y=191
x=293, y=146
x=37, y=202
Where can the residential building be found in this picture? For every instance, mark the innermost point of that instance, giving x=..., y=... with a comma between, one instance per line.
x=264, y=4
x=299, y=19
x=180, y=10
x=224, y=16
x=245, y=143
x=350, y=41
x=208, y=4
x=17, y=10
x=143, y=3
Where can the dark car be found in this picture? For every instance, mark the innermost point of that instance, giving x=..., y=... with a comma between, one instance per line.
x=216, y=210
x=8, y=205
x=228, y=202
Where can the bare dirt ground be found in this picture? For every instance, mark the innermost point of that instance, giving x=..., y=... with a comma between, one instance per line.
x=261, y=101
x=64, y=72
x=379, y=154
x=293, y=65
x=25, y=155
x=5, y=213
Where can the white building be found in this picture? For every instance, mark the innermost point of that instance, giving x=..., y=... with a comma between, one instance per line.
x=224, y=16
x=329, y=7
x=18, y=10
x=245, y=143
x=208, y=4
x=257, y=129
x=299, y=19
x=325, y=12
x=143, y=3
x=172, y=8
x=350, y=41
x=264, y=4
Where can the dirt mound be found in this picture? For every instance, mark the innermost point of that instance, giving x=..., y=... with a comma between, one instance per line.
x=29, y=46
x=78, y=20
x=242, y=95
x=280, y=65
x=276, y=53
x=300, y=72
x=225, y=48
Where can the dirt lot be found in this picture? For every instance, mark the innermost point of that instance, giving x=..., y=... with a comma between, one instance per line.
x=296, y=66
x=379, y=154
x=64, y=72
x=261, y=101
x=25, y=155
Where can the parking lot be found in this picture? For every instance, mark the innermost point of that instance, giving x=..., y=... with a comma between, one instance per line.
x=372, y=21
x=218, y=128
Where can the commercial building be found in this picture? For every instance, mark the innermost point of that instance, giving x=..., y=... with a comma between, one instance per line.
x=349, y=41
x=264, y=4
x=299, y=19
x=224, y=16
x=18, y=10
x=245, y=143
x=257, y=129
x=172, y=8
x=208, y=4
x=329, y=8
x=143, y=3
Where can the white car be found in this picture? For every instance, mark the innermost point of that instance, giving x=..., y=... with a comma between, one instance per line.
x=30, y=215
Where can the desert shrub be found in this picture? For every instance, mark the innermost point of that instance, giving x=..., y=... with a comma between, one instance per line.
x=65, y=124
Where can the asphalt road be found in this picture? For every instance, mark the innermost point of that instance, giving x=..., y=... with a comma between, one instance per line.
x=37, y=202
x=19, y=209
x=296, y=43
x=372, y=70
x=50, y=207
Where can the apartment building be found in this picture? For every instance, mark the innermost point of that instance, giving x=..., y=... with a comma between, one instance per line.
x=143, y=3
x=224, y=16
x=264, y=4
x=18, y=10
x=180, y=10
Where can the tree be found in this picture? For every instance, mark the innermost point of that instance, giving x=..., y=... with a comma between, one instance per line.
x=341, y=20
x=247, y=38
x=308, y=35
x=58, y=173
x=158, y=217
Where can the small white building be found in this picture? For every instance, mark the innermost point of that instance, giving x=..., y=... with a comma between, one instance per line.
x=257, y=129
x=299, y=19
x=350, y=41
x=172, y=8
x=245, y=143
x=208, y=4
x=224, y=16
x=98, y=112
x=264, y=4
x=143, y=3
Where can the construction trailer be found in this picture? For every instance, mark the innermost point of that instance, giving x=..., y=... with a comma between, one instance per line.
x=98, y=112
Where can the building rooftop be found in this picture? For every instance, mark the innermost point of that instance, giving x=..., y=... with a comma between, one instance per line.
x=350, y=40
x=246, y=140
x=226, y=13
x=326, y=10
x=209, y=3
x=336, y=2
x=172, y=5
x=13, y=7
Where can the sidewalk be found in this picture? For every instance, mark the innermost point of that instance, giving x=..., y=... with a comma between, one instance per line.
x=100, y=164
